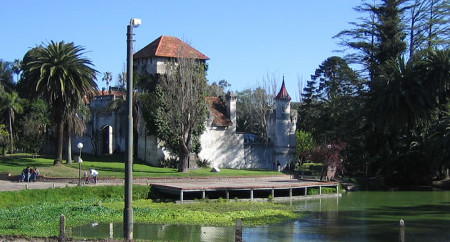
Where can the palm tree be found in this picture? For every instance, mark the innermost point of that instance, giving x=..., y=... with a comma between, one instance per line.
x=62, y=76
x=17, y=68
x=74, y=123
x=402, y=98
x=12, y=104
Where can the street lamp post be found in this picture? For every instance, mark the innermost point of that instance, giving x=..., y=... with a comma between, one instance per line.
x=128, y=210
x=80, y=146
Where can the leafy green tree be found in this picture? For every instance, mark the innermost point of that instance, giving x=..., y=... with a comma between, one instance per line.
x=252, y=107
x=437, y=142
x=12, y=104
x=3, y=138
x=32, y=126
x=410, y=98
x=305, y=143
x=329, y=101
x=6, y=75
x=335, y=78
x=62, y=76
x=182, y=106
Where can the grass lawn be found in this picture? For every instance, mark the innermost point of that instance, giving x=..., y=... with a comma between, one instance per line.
x=110, y=166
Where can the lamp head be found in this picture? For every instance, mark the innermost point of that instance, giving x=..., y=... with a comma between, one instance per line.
x=80, y=145
x=135, y=22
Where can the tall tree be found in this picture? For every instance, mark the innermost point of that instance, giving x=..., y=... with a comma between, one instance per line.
x=335, y=78
x=12, y=104
x=436, y=24
x=328, y=100
x=107, y=77
x=62, y=76
x=6, y=75
x=379, y=38
x=362, y=38
x=182, y=109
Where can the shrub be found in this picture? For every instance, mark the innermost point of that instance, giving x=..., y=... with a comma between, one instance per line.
x=170, y=163
x=203, y=163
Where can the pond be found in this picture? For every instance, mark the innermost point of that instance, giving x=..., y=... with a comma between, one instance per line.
x=356, y=216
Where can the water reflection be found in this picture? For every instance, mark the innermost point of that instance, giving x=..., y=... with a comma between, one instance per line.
x=156, y=232
x=359, y=216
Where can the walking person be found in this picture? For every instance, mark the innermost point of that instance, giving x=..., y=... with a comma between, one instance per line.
x=94, y=175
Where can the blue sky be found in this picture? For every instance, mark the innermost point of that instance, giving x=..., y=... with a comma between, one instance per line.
x=248, y=41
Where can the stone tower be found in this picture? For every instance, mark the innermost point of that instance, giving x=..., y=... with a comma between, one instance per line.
x=283, y=128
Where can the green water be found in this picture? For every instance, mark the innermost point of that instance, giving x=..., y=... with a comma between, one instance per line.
x=356, y=216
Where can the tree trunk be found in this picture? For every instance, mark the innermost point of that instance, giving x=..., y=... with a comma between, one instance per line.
x=4, y=151
x=184, y=159
x=59, y=143
x=69, y=150
x=11, y=143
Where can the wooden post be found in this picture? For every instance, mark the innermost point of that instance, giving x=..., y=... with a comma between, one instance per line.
x=228, y=194
x=402, y=231
x=62, y=228
x=273, y=193
x=238, y=237
x=290, y=192
x=251, y=194
x=181, y=195
x=203, y=194
x=111, y=230
x=320, y=190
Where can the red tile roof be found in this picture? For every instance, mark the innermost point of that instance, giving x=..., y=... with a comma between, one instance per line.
x=283, y=94
x=169, y=46
x=219, y=111
x=106, y=92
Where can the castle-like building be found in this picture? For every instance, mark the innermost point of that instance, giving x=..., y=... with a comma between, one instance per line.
x=221, y=145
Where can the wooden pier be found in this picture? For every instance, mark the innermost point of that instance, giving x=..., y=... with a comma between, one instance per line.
x=275, y=187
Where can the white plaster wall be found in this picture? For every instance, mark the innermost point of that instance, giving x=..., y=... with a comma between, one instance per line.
x=223, y=148
x=148, y=150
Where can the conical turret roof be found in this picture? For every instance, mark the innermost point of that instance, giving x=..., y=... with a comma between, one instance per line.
x=283, y=94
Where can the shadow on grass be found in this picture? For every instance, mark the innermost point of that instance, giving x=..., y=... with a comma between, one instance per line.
x=23, y=161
